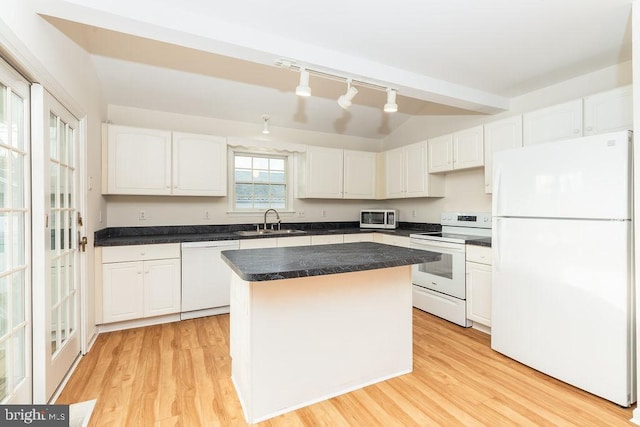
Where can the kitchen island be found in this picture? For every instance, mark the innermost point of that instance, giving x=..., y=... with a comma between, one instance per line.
x=312, y=322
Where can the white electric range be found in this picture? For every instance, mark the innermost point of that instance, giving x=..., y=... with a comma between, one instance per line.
x=439, y=286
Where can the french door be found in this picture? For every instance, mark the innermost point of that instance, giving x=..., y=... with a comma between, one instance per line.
x=15, y=239
x=56, y=229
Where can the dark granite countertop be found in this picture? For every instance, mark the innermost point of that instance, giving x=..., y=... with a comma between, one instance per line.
x=123, y=236
x=481, y=241
x=257, y=265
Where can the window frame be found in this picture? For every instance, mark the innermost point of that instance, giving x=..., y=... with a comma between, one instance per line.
x=288, y=158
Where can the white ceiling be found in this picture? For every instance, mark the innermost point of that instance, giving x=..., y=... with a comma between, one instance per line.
x=217, y=59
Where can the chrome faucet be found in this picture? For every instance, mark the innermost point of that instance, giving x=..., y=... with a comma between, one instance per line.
x=265, y=218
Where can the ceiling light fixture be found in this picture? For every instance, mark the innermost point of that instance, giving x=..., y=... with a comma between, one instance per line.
x=391, y=106
x=265, y=125
x=345, y=100
x=303, y=88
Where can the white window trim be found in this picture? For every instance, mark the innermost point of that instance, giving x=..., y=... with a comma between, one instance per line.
x=231, y=180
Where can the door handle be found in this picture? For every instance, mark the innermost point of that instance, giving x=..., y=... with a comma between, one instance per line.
x=82, y=242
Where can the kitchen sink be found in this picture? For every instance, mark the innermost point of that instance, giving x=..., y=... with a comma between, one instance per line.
x=269, y=232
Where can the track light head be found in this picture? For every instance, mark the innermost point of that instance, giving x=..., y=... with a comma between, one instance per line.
x=265, y=124
x=303, y=88
x=345, y=100
x=391, y=106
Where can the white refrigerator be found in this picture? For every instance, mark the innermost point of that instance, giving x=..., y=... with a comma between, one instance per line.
x=563, y=288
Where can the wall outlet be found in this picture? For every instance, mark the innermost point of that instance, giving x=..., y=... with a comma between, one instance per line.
x=100, y=217
x=301, y=214
x=142, y=215
x=324, y=213
x=414, y=213
x=207, y=215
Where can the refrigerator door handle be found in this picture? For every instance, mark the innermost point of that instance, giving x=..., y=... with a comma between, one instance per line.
x=496, y=191
x=495, y=245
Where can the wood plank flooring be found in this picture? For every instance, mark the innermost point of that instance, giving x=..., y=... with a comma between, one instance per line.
x=178, y=374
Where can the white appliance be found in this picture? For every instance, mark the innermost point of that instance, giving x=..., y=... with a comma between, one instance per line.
x=205, y=278
x=379, y=218
x=563, y=291
x=439, y=286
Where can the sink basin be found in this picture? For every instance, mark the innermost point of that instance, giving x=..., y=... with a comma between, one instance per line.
x=268, y=232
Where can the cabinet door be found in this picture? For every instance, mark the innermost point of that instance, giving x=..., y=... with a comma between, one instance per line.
x=138, y=161
x=161, y=287
x=269, y=242
x=359, y=175
x=394, y=172
x=199, y=165
x=609, y=111
x=122, y=291
x=416, y=179
x=479, y=293
x=294, y=241
x=562, y=121
x=324, y=172
x=468, y=148
x=389, y=239
x=360, y=237
x=499, y=135
x=441, y=153
x=328, y=239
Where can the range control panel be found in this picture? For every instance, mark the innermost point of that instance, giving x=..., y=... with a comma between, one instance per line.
x=466, y=219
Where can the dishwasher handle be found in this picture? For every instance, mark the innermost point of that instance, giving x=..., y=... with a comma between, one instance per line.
x=211, y=244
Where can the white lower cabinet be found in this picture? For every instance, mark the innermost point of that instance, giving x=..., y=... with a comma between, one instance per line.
x=359, y=237
x=140, y=281
x=327, y=239
x=389, y=239
x=294, y=241
x=478, y=282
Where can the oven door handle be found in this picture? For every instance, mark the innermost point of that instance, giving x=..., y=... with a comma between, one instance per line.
x=435, y=246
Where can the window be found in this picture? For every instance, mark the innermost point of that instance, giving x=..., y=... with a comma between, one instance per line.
x=260, y=181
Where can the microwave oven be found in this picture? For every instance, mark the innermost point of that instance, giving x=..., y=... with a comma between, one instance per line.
x=379, y=218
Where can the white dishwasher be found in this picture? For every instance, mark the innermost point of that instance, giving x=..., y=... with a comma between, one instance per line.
x=205, y=278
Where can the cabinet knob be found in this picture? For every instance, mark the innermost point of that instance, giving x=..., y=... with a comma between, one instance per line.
x=576, y=131
x=589, y=128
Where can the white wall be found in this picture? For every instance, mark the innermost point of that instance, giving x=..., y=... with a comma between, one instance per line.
x=67, y=72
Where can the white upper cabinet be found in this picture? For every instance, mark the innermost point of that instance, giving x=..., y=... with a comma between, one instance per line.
x=331, y=173
x=138, y=160
x=406, y=173
x=394, y=173
x=499, y=135
x=199, y=165
x=468, y=148
x=461, y=150
x=441, y=153
x=157, y=162
x=609, y=111
x=562, y=121
x=359, y=175
x=321, y=172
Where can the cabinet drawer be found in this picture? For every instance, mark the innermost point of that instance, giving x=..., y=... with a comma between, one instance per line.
x=140, y=252
x=479, y=254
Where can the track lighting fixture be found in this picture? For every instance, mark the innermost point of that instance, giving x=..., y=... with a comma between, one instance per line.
x=391, y=106
x=265, y=125
x=345, y=100
x=303, y=88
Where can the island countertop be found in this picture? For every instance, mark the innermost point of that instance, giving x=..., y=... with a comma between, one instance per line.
x=256, y=265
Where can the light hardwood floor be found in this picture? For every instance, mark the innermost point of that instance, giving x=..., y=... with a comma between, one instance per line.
x=178, y=374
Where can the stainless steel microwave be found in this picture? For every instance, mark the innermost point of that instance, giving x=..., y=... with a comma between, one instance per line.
x=378, y=218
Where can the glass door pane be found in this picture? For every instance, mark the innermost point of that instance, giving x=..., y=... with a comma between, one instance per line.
x=15, y=236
